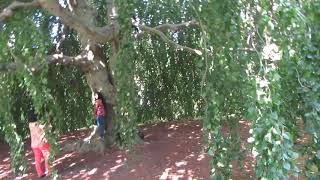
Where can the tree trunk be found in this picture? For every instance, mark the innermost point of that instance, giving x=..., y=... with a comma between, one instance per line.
x=98, y=79
x=97, y=72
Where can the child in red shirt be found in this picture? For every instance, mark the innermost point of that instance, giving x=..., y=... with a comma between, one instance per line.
x=100, y=113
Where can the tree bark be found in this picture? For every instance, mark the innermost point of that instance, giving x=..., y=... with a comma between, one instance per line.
x=99, y=79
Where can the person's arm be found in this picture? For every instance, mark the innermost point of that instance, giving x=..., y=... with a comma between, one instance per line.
x=42, y=132
x=94, y=109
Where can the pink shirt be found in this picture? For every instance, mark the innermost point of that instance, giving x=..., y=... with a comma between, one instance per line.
x=37, y=135
x=99, y=109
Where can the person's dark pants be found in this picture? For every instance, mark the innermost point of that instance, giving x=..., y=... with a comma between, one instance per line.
x=101, y=126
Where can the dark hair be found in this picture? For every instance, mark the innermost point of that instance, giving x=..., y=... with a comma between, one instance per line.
x=100, y=96
x=32, y=117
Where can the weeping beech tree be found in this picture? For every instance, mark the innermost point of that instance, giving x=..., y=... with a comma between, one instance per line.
x=224, y=62
x=97, y=65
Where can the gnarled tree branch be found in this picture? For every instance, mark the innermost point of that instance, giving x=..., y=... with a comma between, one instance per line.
x=8, y=11
x=173, y=27
x=8, y=67
x=167, y=40
x=176, y=27
x=57, y=59
x=96, y=34
x=60, y=59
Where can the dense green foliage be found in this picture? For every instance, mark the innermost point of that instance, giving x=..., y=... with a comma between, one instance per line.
x=260, y=63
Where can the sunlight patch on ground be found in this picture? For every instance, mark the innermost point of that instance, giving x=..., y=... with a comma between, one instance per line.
x=93, y=171
x=165, y=174
x=174, y=127
x=5, y=173
x=191, y=155
x=72, y=164
x=120, y=160
x=191, y=137
x=113, y=169
x=190, y=172
x=64, y=157
x=76, y=176
x=181, y=171
x=22, y=177
x=200, y=157
x=181, y=163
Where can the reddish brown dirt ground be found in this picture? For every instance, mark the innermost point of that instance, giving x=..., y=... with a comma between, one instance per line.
x=170, y=151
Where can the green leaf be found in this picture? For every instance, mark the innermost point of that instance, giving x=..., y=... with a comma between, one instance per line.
x=286, y=135
x=318, y=154
x=286, y=165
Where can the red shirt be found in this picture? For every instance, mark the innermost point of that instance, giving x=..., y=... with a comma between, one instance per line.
x=99, y=108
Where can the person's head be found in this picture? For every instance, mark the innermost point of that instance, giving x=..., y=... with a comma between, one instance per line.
x=98, y=95
x=32, y=117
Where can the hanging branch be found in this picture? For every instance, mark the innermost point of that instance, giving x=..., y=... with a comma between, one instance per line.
x=8, y=11
x=8, y=67
x=166, y=39
x=82, y=61
x=176, y=27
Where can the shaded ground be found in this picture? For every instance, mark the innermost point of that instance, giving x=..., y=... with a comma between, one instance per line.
x=170, y=151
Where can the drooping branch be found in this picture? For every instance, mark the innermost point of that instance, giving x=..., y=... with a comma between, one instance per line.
x=57, y=59
x=8, y=67
x=173, y=27
x=167, y=40
x=8, y=11
x=176, y=27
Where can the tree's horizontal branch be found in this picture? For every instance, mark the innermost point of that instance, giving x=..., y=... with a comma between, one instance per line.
x=167, y=40
x=176, y=27
x=96, y=34
x=8, y=67
x=8, y=11
x=173, y=27
x=58, y=59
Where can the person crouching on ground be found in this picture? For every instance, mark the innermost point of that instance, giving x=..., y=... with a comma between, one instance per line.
x=100, y=113
x=39, y=144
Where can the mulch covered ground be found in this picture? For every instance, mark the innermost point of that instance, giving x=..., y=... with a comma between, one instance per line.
x=170, y=151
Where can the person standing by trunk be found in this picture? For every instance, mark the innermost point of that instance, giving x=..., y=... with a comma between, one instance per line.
x=100, y=113
x=39, y=144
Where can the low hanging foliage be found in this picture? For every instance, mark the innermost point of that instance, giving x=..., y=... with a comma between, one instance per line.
x=252, y=70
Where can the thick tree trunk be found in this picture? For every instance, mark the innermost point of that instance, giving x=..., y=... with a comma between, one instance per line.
x=98, y=79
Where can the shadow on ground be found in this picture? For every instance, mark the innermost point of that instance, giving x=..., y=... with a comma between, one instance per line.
x=170, y=151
